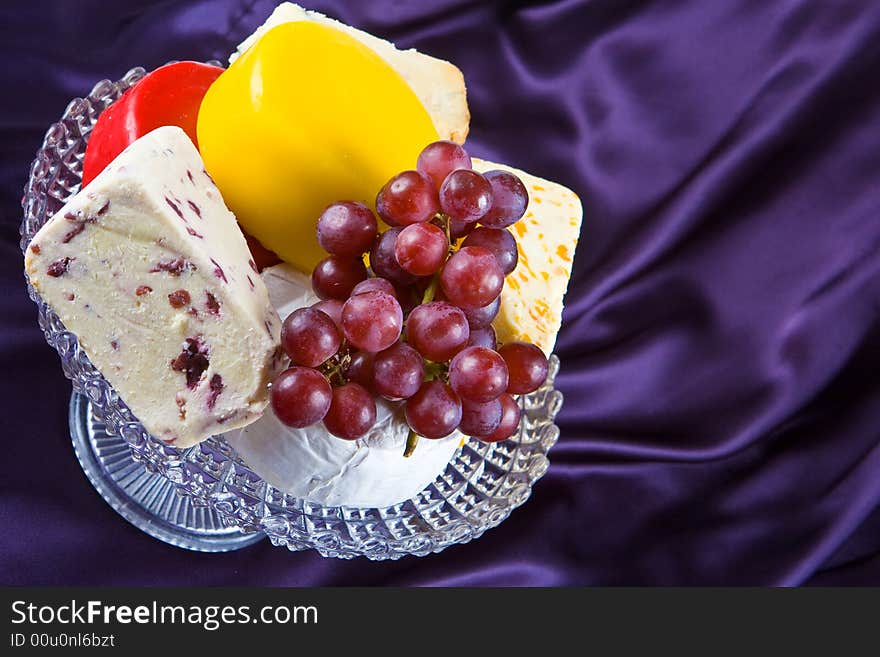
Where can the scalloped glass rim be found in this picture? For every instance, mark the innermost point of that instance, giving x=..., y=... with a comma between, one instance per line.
x=479, y=488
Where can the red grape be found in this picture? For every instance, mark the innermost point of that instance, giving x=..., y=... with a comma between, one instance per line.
x=458, y=229
x=372, y=321
x=409, y=296
x=510, y=415
x=482, y=317
x=527, y=366
x=360, y=369
x=465, y=195
x=478, y=374
x=332, y=308
x=335, y=277
x=300, y=396
x=471, y=278
x=309, y=337
x=383, y=261
x=347, y=229
x=352, y=412
x=482, y=337
x=509, y=199
x=434, y=411
x=438, y=330
x=408, y=198
x=374, y=284
x=440, y=159
x=398, y=371
x=500, y=242
x=421, y=249
x=480, y=419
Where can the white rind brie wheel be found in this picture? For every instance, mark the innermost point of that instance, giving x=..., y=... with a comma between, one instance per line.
x=312, y=464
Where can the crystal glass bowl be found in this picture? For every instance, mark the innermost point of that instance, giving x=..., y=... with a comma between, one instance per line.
x=206, y=497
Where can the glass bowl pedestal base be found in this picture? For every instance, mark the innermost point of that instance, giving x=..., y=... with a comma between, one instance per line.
x=149, y=501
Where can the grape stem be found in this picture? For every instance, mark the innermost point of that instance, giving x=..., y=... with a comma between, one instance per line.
x=412, y=439
x=447, y=229
x=431, y=291
x=428, y=297
x=335, y=367
x=433, y=370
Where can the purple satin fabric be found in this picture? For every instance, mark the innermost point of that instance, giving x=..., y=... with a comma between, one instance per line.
x=721, y=341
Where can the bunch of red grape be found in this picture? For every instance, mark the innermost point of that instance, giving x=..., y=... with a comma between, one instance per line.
x=416, y=327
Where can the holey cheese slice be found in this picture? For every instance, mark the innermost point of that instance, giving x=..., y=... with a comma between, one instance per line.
x=546, y=238
x=151, y=272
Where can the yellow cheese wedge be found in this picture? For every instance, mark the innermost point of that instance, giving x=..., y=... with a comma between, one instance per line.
x=438, y=84
x=546, y=237
x=307, y=116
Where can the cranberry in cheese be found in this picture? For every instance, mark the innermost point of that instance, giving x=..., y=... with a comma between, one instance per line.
x=149, y=269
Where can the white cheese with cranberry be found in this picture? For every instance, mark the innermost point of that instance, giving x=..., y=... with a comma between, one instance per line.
x=148, y=268
x=314, y=465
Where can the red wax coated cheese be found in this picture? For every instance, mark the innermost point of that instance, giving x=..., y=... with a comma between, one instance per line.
x=170, y=95
x=262, y=257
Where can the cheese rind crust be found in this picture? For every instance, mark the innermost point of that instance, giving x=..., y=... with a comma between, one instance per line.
x=148, y=268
